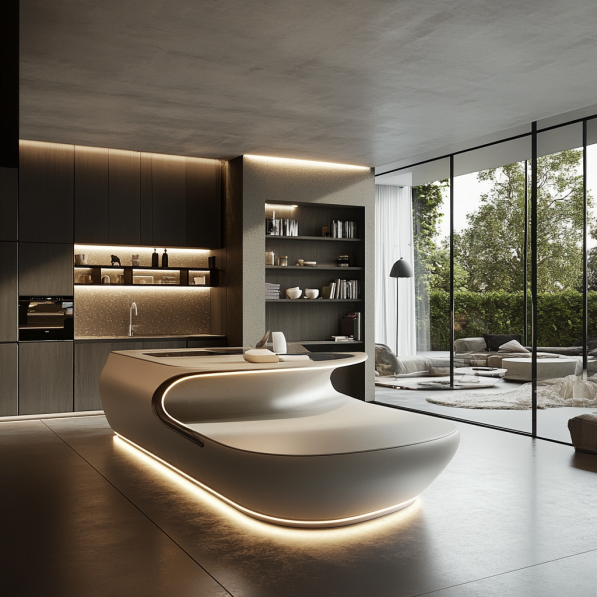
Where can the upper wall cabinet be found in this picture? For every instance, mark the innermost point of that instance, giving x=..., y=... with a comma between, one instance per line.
x=125, y=197
x=186, y=206
x=203, y=218
x=46, y=181
x=168, y=174
x=91, y=195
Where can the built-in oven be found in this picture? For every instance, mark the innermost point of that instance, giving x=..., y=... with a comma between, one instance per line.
x=46, y=318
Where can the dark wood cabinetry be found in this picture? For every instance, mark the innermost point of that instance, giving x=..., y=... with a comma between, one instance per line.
x=91, y=195
x=169, y=200
x=45, y=269
x=46, y=182
x=45, y=377
x=8, y=292
x=125, y=197
x=203, y=207
x=9, y=201
x=90, y=358
x=8, y=375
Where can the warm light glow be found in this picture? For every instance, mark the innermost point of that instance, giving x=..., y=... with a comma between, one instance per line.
x=264, y=517
x=279, y=206
x=82, y=248
x=135, y=287
x=305, y=162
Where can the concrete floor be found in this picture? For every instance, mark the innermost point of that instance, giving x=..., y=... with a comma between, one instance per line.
x=86, y=515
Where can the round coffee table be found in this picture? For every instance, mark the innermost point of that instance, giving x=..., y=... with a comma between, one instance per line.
x=521, y=369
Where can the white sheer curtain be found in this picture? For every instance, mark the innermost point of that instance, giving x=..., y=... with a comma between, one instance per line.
x=394, y=239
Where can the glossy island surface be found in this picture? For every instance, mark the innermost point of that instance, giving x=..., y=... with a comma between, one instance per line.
x=274, y=440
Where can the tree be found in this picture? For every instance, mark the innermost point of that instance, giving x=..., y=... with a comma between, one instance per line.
x=491, y=248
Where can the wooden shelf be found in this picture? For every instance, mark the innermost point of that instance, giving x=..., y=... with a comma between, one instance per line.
x=143, y=267
x=303, y=300
x=314, y=267
x=322, y=238
x=129, y=271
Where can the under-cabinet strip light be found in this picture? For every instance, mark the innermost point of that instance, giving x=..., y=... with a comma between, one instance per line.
x=273, y=519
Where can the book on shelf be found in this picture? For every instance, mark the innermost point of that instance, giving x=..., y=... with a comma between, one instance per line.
x=345, y=289
x=343, y=229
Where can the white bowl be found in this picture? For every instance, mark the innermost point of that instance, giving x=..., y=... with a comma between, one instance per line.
x=311, y=293
x=310, y=263
x=294, y=293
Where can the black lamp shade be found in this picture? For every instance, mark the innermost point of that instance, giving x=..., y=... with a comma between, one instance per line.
x=401, y=269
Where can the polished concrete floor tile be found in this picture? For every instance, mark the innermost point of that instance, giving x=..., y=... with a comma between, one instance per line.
x=505, y=502
x=66, y=531
x=575, y=576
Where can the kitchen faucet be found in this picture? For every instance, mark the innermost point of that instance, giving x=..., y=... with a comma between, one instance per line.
x=133, y=306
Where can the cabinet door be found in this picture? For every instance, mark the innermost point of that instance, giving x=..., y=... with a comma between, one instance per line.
x=169, y=200
x=91, y=195
x=9, y=299
x=45, y=377
x=203, y=204
x=9, y=203
x=45, y=269
x=46, y=180
x=8, y=375
x=90, y=358
x=125, y=201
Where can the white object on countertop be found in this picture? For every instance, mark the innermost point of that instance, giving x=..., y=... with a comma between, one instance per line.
x=261, y=355
x=294, y=293
x=279, y=341
x=311, y=293
x=294, y=357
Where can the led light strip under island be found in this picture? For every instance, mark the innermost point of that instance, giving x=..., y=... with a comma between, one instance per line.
x=274, y=440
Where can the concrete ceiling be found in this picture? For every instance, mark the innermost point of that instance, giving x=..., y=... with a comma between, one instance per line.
x=340, y=80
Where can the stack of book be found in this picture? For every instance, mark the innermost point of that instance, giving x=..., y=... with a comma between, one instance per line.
x=342, y=289
x=272, y=291
x=343, y=229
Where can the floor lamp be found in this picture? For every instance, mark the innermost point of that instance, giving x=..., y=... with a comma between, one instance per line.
x=400, y=269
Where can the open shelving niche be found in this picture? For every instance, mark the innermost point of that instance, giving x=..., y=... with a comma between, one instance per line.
x=184, y=279
x=314, y=325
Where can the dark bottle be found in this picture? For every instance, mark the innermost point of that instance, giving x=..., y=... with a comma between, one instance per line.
x=165, y=258
x=155, y=259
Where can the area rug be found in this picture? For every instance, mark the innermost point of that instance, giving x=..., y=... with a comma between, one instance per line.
x=566, y=391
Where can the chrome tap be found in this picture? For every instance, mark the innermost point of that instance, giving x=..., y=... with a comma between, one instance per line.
x=133, y=306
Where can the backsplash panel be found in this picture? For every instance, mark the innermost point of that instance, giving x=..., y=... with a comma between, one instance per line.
x=104, y=311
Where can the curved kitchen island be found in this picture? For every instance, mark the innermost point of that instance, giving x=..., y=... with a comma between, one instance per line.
x=274, y=440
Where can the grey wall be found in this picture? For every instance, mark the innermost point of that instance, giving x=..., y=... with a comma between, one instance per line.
x=265, y=180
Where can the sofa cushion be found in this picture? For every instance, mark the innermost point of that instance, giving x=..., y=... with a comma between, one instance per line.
x=469, y=344
x=513, y=346
x=494, y=341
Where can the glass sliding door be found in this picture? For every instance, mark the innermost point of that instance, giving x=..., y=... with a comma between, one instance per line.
x=491, y=220
x=404, y=374
x=561, y=344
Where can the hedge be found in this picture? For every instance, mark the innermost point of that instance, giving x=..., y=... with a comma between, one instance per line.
x=559, y=316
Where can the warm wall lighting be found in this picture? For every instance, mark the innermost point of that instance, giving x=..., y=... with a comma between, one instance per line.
x=280, y=206
x=82, y=248
x=306, y=162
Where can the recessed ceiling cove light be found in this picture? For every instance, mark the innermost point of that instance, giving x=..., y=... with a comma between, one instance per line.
x=306, y=162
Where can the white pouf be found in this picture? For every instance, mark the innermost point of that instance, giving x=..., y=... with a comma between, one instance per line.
x=521, y=369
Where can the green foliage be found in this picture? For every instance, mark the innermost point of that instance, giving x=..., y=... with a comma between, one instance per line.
x=559, y=316
x=491, y=247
